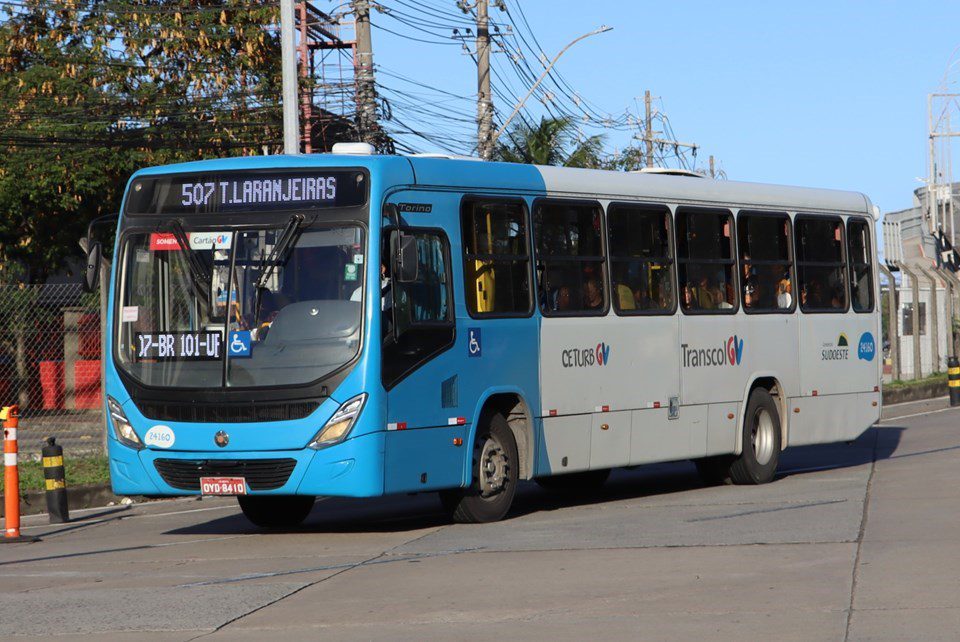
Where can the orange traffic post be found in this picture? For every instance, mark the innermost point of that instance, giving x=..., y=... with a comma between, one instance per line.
x=10, y=416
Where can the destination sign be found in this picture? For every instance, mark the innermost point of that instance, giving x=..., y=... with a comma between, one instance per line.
x=246, y=192
x=178, y=346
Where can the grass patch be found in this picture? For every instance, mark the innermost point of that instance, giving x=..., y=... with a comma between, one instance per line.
x=81, y=471
x=937, y=377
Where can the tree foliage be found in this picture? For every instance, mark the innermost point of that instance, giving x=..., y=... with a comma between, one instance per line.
x=553, y=141
x=91, y=90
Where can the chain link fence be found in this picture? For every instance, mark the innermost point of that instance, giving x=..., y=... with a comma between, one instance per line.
x=50, y=365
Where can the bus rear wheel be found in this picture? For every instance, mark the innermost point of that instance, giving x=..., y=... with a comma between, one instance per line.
x=276, y=511
x=757, y=462
x=495, y=476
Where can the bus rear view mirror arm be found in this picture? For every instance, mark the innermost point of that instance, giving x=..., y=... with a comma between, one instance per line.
x=407, y=258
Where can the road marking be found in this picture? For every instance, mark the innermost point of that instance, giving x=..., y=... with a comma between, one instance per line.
x=919, y=414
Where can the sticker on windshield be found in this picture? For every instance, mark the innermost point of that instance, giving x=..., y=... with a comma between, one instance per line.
x=163, y=242
x=350, y=272
x=239, y=344
x=160, y=437
x=143, y=256
x=130, y=313
x=358, y=259
x=178, y=346
x=211, y=240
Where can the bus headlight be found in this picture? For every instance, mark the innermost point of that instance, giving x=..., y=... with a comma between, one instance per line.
x=340, y=424
x=121, y=425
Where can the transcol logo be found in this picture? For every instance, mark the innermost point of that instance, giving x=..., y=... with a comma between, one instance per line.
x=586, y=357
x=730, y=352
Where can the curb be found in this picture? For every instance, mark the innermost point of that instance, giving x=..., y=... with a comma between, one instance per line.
x=33, y=502
x=919, y=392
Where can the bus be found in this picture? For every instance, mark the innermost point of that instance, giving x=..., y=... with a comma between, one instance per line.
x=358, y=325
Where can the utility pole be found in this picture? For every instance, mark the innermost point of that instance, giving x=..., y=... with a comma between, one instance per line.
x=648, y=128
x=650, y=137
x=291, y=107
x=366, y=89
x=713, y=173
x=484, y=97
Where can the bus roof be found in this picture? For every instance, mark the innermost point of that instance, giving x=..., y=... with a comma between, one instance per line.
x=472, y=175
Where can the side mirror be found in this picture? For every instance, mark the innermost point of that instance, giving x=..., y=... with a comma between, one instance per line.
x=408, y=259
x=92, y=276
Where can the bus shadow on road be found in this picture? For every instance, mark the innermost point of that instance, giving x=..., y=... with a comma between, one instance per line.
x=407, y=513
x=877, y=443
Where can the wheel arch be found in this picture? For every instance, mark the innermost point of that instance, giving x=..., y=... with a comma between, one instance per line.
x=772, y=384
x=512, y=404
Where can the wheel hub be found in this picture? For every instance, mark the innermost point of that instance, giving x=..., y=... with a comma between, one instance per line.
x=762, y=436
x=493, y=467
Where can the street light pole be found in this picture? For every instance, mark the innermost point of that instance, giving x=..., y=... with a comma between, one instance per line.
x=516, y=110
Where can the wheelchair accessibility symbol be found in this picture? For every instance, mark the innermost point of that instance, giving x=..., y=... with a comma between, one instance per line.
x=474, y=347
x=240, y=344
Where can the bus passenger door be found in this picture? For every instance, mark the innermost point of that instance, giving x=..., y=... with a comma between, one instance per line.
x=419, y=369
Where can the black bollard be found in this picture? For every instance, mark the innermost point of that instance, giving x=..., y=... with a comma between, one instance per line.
x=53, y=473
x=953, y=380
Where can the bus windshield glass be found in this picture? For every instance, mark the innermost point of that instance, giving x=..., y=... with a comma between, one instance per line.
x=251, y=308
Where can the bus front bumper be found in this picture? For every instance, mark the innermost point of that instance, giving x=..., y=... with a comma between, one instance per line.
x=353, y=468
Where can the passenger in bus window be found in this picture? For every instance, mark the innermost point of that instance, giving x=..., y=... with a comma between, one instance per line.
x=563, y=299
x=665, y=299
x=836, y=301
x=815, y=298
x=784, y=293
x=592, y=297
x=706, y=294
x=689, y=298
x=627, y=298
x=727, y=302
x=751, y=294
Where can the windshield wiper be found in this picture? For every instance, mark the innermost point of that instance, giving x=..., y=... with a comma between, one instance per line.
x=289, y=236
x=198, y=271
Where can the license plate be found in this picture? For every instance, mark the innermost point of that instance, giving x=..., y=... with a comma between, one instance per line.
x=223, y=486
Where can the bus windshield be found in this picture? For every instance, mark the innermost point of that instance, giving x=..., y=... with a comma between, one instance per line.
x=216, y=308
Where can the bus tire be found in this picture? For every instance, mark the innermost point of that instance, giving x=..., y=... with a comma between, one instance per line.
x=276, y=511
x=582, y=483
x=757, y=462
x=495, y=476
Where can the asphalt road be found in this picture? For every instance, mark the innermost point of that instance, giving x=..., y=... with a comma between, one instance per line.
x=854, y=541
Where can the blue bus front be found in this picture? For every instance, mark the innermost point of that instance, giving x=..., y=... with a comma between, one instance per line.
x=245, y=324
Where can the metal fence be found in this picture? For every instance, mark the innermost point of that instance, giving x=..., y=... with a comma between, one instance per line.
x=919, y=339
x=50, y=364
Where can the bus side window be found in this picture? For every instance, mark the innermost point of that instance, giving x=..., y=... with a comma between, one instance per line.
x=570, y=258
x=861, y=268
x=766, y=265
x=821, y=269
x=641, y=259
x=705, y=261
x=496, y=258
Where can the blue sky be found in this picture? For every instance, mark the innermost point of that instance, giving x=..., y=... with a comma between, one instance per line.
x=825, y=94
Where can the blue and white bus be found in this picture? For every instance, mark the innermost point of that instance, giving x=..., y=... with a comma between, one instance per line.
x=356, y=325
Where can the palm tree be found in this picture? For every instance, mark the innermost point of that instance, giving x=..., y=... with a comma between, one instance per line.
x=553, y=142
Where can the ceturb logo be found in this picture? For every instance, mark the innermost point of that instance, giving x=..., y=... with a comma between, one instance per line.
x=586, y=357
x=730, y=352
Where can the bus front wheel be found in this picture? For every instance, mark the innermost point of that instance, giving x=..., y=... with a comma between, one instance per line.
x=757, y=462
x=276, y=511
x=495, y=475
